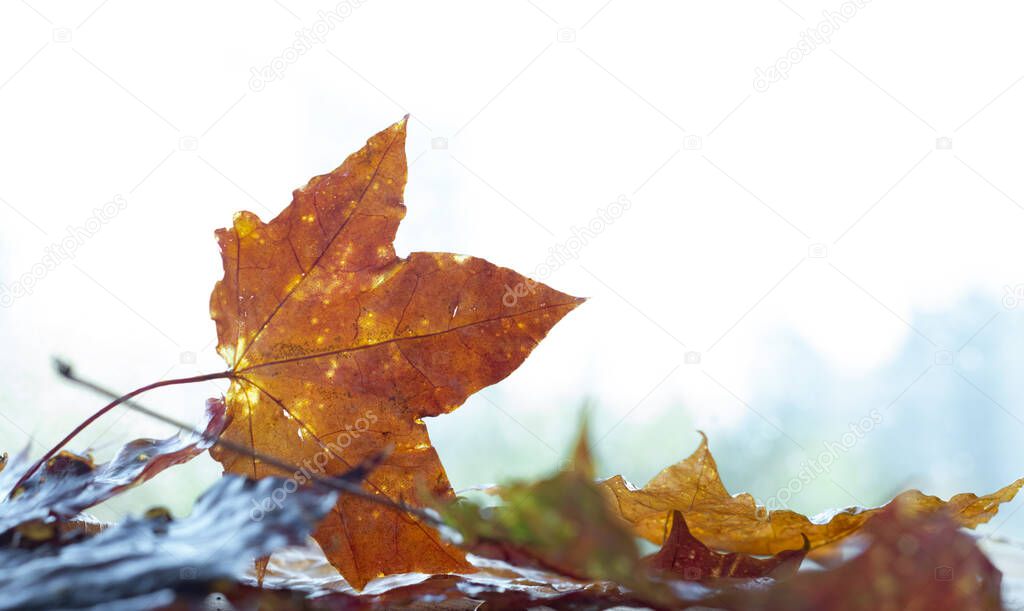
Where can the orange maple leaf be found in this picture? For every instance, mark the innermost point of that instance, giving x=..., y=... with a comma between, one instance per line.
x=338, y=348
x=912, y=560
x=735, y=522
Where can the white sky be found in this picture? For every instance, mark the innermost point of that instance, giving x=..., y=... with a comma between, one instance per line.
x=107, y=98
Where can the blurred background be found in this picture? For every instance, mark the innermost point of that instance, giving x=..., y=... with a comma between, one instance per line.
x=817, y=261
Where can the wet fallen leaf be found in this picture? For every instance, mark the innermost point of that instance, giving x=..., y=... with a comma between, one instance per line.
x=68, y=483
x=148, y=563
x=683, y=556
x=338, y=347
x=560, y=524
x=494, y=585
x=736, y=523
x=914, y=561
x=472, y=592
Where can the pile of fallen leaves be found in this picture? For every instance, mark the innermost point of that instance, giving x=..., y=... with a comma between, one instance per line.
x=337, y=349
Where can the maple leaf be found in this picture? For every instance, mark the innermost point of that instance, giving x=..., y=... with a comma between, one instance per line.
x=68, y=483
x=560, y=523
x=736, y=523
x=338, y=348
x=684, y=556
x=913, y=561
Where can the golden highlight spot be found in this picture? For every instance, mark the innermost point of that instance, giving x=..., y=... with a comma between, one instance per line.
x=245, y=223
x=252, y=395
x=229, y=352
x=345, y=254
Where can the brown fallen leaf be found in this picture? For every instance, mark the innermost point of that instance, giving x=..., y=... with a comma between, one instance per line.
x=682, y=555
x=338, y=348
x=914, y=561
x=738, y=524
x=562, y=524
x=68, y=483
x=559, y=524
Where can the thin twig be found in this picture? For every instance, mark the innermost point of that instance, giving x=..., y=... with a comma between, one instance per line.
x=62, y=366
x=344, y=483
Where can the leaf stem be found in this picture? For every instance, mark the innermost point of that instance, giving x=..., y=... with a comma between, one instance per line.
x=65, y=370
x=347, y=483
